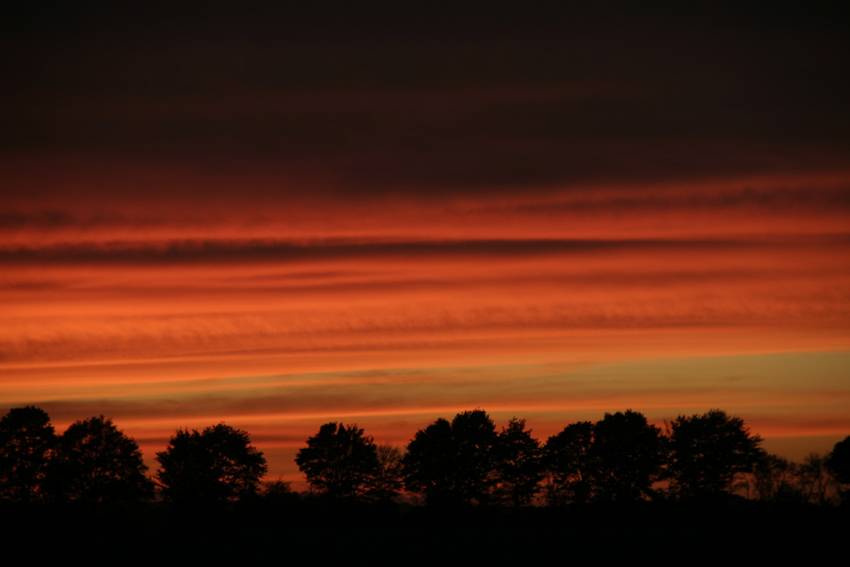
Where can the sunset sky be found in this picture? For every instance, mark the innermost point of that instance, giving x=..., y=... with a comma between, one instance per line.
x=356, y=213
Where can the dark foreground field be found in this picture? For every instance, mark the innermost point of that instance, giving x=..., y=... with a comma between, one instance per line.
x=304, y=532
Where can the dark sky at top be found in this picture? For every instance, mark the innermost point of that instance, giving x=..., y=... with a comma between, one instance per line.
x=373, y=97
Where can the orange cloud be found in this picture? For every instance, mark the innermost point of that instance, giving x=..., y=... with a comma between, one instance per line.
x=280, y=315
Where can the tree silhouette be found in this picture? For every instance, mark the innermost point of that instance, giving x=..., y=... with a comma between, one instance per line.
x=774, y=479
x=519, y=464
x=278, y=492
x=627, y=455
x=815, y=479
x=219, y=464
x=339, y=461
x=95, y=462
x=617, y=459
x=475, y=437
x=838, y=463
x=707, y=451
x=27, y=441
x=388, y=481
x=569, y=463
x=429, y=463
x=453, y=464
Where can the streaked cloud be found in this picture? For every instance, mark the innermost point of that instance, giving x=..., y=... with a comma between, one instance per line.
x=279, y=222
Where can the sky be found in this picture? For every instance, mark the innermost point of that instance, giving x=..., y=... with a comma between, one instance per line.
x=279, y=217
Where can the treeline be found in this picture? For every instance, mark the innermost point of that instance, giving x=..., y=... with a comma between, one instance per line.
x=466, y=462
x=620, y=459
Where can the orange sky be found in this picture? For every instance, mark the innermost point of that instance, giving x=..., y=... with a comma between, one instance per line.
x=545, y=305
x=280, y=230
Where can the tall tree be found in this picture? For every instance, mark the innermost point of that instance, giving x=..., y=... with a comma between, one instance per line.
x=339, y=461
x=475, y=438
x=569, y=464
x=27, y=442
x=429, y=463
x=96, y=462
x=519, y=464
x=838, y=462
x=628, y=455
x=707, y=451
x=218, y=464
x=453, y=463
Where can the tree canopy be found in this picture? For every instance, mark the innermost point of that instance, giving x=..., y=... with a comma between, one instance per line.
x=218, y=464
x=453, y=463
x=707, y=451
x=429, y=463
x=628, y=454
x=519, y=464
x=339, y=461
x=96, y=462
x=569, y=463
x=617, y=459
x=27, y=442
x=838, y=461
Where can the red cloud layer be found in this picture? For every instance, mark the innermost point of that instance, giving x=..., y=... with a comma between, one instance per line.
x=279, y=315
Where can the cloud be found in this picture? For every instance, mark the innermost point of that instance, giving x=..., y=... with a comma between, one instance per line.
x=376, y=109
x=201, y=216
x=139, y=208
x=250, y=251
